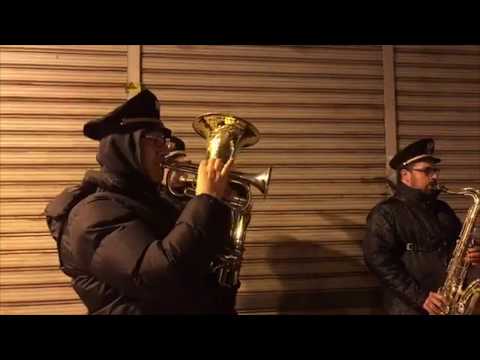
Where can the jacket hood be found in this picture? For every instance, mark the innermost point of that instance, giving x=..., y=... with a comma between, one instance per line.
x=120, y=158
x=410, y=194
x=120, y=154
x=57, y=210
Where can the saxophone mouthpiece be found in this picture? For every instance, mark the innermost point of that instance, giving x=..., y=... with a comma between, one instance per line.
x=439, y=188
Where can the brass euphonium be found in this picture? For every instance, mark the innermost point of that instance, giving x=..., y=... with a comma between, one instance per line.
x=461, y=297
x=225, y=135
x=239, y=181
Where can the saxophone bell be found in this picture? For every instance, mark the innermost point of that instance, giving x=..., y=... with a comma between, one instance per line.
x=462, y=297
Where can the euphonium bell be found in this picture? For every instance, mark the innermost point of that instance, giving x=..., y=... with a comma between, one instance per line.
x=225, y=135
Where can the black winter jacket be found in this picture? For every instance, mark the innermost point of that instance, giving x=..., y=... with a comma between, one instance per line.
x=409, y=241
x=130, y=249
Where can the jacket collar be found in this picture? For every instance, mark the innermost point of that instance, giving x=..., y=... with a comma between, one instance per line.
x=406, y=193
x=136, y=188
x=133, y=186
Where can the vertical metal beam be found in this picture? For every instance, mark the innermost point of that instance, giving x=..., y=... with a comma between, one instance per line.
x=390, y=106
x=134, y=71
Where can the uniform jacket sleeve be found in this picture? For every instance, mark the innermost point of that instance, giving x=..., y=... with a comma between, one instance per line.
x=382, y=256
x=129, y=256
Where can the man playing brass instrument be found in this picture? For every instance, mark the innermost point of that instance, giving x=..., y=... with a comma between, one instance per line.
x=411, y=235
x=128, y=246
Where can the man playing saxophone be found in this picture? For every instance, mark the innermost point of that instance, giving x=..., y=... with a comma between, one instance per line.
x=128, y=246
x=411, y=235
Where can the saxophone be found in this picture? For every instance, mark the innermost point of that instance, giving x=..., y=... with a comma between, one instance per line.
x=461, y=300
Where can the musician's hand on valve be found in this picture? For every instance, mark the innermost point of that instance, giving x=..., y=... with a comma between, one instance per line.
x=213, y=177
x=435, y=304
x=473, y=256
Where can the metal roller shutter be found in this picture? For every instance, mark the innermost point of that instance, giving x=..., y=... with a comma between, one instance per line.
x=320, y=112
x=47, y=93
x=438, y=95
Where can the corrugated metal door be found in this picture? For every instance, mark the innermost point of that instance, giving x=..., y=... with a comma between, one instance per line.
x=47, y=93
x=438, y=95
x=320, y=112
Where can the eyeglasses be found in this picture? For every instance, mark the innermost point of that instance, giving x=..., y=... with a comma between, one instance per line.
x=429, y=171
x=160, y=140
